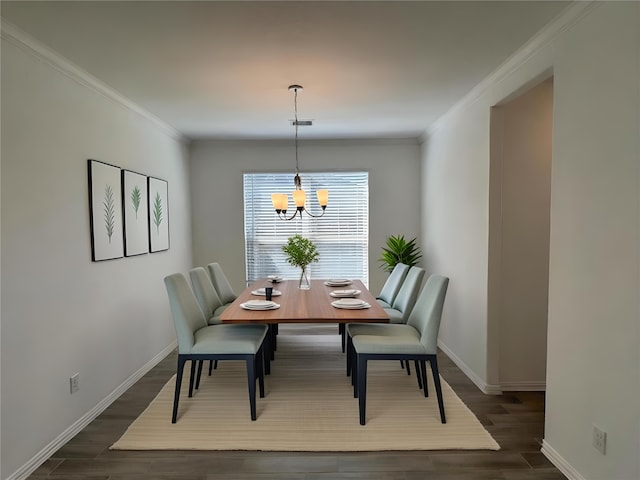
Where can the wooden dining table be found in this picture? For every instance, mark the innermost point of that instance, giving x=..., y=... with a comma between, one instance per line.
x=298, y=305
x=304, y=306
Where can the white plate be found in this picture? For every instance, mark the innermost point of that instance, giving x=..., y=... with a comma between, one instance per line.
x=350, y=301
x=259, y=309
x=260, y=292
x=338, y=282
x=259, y=305
x=358, y=306
x=344, y=293
x=275, y=278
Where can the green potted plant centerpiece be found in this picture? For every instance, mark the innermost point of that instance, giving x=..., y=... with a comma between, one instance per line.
x=399, y=250
x=301, y=252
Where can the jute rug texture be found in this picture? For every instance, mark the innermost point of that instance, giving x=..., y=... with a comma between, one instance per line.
x=308, y=406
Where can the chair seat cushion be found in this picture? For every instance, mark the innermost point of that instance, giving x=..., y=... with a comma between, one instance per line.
x=238, y=339
x=382, y=344
x=382, y=303
x=387, y=329
x=395, y=316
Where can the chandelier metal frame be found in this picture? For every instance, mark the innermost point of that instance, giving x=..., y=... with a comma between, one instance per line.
x=280, y=200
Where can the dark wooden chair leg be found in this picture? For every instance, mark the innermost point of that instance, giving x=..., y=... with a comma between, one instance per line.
x=423, y=368
x=176, y=395
x=349, y=353
x=192, y=377
x=433, y=361
x=362, y=386
x=275, y=340
x=418, y=373
x=211, y=366
x=266, y=355
x=200, y=363
x=260, y=371
x=341, y=332
x=407, y=366
x=251, y=378
x=354, y=373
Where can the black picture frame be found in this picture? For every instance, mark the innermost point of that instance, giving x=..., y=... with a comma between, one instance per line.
x=158, y=194
x=105, y=211
x=135, y=213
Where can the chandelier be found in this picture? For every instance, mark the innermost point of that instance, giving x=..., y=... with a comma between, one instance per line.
x=281, y=200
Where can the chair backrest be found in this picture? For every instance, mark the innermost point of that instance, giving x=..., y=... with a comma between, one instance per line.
x=394, y=281
x=427, y=312
x=187, y=316
x=406, y=298
x=221, y=284
x=204, y=291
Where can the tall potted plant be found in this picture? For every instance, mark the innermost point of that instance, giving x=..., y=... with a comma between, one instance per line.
x=301, y=252
x=399, y=250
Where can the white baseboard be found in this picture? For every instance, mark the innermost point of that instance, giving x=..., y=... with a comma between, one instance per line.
x=560, y=463
x=44, y=454
x=480, y=383
x=523, y=386
x=491, y=389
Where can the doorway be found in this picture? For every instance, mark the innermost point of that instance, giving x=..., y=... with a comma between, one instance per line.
x=519, y=219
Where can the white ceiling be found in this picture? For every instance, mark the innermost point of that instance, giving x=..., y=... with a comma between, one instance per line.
x=221, y=69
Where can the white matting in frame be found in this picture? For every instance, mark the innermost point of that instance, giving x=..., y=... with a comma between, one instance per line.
x=158, y=215
x=105, y=211
x=135, y=210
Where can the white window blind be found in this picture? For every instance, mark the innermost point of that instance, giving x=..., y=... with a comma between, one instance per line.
x=341, y=235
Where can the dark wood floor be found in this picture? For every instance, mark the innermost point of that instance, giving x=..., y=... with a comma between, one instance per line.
x=515, y=419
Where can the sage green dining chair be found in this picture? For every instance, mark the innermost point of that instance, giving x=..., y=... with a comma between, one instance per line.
x=392, y=285
x=212, y=308
x=386, y=296
x=198, y=341
x=206, y=295
x=416, y=340
x=406, y=297
x=221, y=283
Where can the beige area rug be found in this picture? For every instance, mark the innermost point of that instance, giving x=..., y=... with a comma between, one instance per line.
x=308, y=406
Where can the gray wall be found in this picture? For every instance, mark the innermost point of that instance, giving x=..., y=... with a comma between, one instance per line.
x=61, y=312
x=593, y=364
x=216, y=192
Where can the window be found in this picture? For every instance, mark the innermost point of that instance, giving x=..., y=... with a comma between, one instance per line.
x=341, y=235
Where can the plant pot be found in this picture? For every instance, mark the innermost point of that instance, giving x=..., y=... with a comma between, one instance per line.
x=304, y=283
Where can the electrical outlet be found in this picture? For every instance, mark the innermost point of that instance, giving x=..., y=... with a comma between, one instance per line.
x=74, y=383
x=600, y=440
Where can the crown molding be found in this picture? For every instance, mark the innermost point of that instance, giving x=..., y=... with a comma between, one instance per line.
x=560, y=24
x=22, y=40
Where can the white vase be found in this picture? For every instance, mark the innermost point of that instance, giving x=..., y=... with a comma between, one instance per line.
x=304, y=283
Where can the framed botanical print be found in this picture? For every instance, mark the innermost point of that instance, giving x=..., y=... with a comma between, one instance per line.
x=158, y=214
x=135, y=212
x=105, y=211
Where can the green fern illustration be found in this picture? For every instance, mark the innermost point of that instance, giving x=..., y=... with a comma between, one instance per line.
x=136, y=196
x=157, y=212
x=109, y=211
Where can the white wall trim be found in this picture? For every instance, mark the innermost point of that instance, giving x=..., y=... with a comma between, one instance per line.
x=565, y=20
x=560, y=463
x=484, y=387
x=491, y=389
x=44, y=454
x=540, y=386
x=22, y=40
